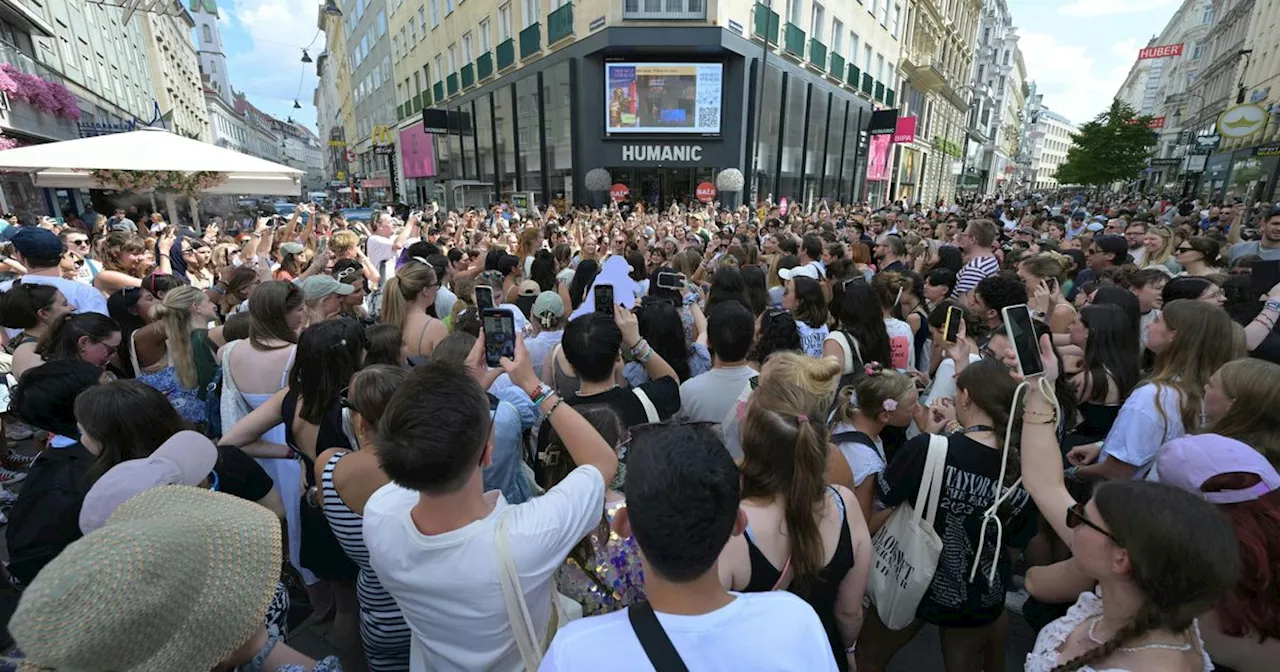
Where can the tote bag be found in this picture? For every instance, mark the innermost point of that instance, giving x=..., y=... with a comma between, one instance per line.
x=563, y=609
x=907, y=547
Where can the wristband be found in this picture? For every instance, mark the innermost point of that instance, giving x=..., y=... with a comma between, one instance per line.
x=540, y=393
x=1272, y=304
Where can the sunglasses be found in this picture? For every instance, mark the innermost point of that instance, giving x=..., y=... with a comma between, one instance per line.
x=79, y=241
x=1077, y=517
x=1186, y=249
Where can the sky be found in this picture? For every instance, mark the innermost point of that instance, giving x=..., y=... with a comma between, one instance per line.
x=263, y=41
x=1079, y=51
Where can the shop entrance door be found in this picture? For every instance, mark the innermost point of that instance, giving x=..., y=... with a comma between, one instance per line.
x=658, y=188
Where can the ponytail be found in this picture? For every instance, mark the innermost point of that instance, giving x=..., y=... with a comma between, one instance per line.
x=804, y=500
x=175, y=314
x=394, y=307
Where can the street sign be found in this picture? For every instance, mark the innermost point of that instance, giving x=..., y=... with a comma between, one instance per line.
x=706, y=192
x=1242, y=121
x=618, y=192
x=1164, y=51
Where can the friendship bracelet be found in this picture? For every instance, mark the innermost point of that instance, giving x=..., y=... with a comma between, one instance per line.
x=559, y=400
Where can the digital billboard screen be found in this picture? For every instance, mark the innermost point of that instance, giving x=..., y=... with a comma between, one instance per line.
x=663, y=98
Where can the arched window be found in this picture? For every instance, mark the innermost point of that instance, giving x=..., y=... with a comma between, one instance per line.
x=208, y=33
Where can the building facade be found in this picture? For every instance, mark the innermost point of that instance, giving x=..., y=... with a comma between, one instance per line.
x=213, y=61
x=226, y=127
x=937, y=63
x=368, y=49
x=998, y=80
x=329, y=121
x=1050, y=140
x=175, y=73
x=337, y=123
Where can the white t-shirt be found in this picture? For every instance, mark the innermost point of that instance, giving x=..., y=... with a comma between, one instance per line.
x=863, y=460
x=944, y=380
x=902, y=344
x=379, y=249
x=774, y=631
x=84, y=297
x=447, y=584
x=1139, y=431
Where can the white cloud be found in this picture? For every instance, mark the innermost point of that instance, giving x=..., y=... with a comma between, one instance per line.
x=1112, y=7
x=1074, y=84
x=224, y=21
x=269, y=70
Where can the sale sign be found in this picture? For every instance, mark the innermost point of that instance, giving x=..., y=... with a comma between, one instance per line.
x=706, y=192
x=1164, y=51
x=1156, y=123
x=618, y=192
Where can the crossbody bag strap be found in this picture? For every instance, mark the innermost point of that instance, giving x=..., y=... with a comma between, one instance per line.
x=650, y=411
x=654, y=640
x=513, y=595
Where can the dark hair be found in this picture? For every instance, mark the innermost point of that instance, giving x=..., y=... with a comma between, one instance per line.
x=382, y=344
x=661, y=327
x=585, y=274
x=543, y=270
x=1148, y=276
x=1109, y=352
x=950, y=257
x=811, y=303
x=1183, y=556
x=236, y=328
x=20, y=306
x=1115, y=247
x=1185, y=287
x=757, y=288
x=434, y=429
x=727, y=285
x=778, y=333
x=507, y=264
x=328, y=354
x=46, y=395
x=160, y=283
x=591, y=343
x=683, y=493
x=455, y=347
x=64, y=341
x=942, y=277
x=267, y=308
x=371, y=390
x=1002, y=290
x=992, y=389
x=858, y=312
x=1206, y=246
x=730, y=328
x=812, y=246
x=128, y=419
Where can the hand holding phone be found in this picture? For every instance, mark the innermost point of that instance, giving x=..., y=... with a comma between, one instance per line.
x=604, y=299
x=1021, y=331
x=952, y=328
x=499, y=335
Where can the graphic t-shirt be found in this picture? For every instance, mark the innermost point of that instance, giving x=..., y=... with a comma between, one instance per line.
x=901, y=344
x=968, y=490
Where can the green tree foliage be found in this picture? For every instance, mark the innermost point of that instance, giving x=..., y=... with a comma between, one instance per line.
x=1112, y=148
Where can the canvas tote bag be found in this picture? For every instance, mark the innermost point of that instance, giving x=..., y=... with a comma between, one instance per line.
x=563, y=609
x=907, y=547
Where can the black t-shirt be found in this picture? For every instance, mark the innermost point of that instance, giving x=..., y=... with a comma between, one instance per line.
x=241, y=475
x=46, y=518
x=664, y=393
x=968, y=490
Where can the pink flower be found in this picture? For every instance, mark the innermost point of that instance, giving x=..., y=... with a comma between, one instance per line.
x=890, y=405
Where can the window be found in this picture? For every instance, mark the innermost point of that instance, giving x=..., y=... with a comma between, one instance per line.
x=866, y=58
x=897, y=21
x=417, y=84
x=395, y=47
x=837, y=37
x=484, y=35
x=794, y=10
x=439, y=68
x=815, y=22
x=382, y=24
x=884, y=13
x=453, y=58
x=208, y=34
x=853, y=47
x=529, y=9
x=435, y=13
x=413, y=34
x=448, y=7
x=422, y=20
x=504, y=22
x=879, y=68
x=466, y=47
x=875, y=7
x=1208, y=15
x=1197, y=51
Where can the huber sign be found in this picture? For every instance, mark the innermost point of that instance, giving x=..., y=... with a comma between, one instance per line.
x=669, y=153
x=1160, y=52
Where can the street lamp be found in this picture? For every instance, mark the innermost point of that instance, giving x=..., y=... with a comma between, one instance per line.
x=306, y=58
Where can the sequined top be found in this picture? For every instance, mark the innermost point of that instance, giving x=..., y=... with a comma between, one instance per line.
x=619, y=578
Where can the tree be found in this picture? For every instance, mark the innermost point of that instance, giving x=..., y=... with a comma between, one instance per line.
x=1112, y=148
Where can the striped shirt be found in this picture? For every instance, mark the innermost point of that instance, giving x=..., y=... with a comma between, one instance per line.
x=974, y=272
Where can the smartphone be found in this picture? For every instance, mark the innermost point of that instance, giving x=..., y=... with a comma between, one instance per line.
x=499, y=335
x=951, y=330
x=484, y=297
x=604, y=299
x=323, y=245
x=1021, y=331
x=668, y=280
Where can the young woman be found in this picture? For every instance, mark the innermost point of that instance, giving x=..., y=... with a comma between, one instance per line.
x=1049, y=269
x=660, y=326
x=1191, y=340
x=174, y=354
x=775, y=332
x=232, y=289
x=802, y=535
x=405, y=301
x=889, y=287
x=860, y=333
x=912, y=304
x=1194, y=288
x=882, y=398
x=1159, y=243
x=952, y=358
x=88, y=337
x=384, y=346
x=348, y=478
x=1239, y=400
x=123, y=261
x=1159, y=556
x=1198, y=256
x=1109, y=371
x=36, y=310
x=808, y=305
x=968, y=605
x=123, y=420
x=1148, y=285
x=778, y=286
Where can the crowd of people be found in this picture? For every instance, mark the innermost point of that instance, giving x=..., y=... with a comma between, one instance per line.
x=782, y=422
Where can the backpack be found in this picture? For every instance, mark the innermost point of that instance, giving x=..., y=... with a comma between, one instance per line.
x=856, y=437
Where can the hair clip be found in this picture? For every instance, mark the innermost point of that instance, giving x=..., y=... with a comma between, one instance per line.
x=802, y=418
x=890, y=405
x=873, y=368
x=420, y=260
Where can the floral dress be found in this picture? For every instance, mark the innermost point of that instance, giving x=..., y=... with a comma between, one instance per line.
x=614, y=581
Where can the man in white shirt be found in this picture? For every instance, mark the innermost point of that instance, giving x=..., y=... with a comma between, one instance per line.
x=385, y=243
x=683, y=494
x=431, y=533
x=40, y=251
x=710, y=397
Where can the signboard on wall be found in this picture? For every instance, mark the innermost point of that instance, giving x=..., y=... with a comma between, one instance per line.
x=905, y=130
x=1163, y=51
x=417, y=152
x=883, y=122
x=878, y=159
x=663, y=98
x=1156, y=123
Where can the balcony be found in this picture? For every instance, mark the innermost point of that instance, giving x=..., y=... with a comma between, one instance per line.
x=664, y=10
x=879, y=92
x=23, y=116
x=468, y=75
x=451, y=83
x=438, y=91
x=868, y=84
x=560, y=24
x=793, y=41
x=765, y=23
x=924, y=74
x=837, y=68
x=817, y=54
x=484, y=66
x=530, y=41
x=888, y=97
x=855, y=76
x=506, y=54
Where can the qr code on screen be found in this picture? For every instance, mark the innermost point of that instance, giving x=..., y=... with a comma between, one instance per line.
x=708, y=117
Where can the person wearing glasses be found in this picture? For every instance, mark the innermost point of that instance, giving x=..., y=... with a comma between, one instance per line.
x=1198, y=256
x=77, y=243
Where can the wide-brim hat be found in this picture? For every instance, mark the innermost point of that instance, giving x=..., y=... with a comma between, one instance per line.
x=178, y=579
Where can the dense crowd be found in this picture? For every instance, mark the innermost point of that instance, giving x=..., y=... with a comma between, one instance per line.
x=700, y=438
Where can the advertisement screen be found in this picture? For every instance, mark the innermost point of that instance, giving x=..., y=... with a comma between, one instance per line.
x=663, y=97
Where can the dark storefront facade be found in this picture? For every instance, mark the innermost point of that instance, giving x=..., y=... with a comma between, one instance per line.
x=540, y=128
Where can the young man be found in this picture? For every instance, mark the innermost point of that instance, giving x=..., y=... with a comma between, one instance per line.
x=432, y=532
x=980, y=263
x=711, y=396
x=1133, y=235
x=1269, y=247
x=40, y=252
x=683, y=492
x=889, y=252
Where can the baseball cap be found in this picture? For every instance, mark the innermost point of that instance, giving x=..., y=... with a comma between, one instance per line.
x=185, y=459
x=548, y=305
x=319, y=286
x=36, y=243
x=1094, y=226
x=1078, y=214
x=529, y=288
x=291, y=248
x=1188, y=462
x=805, y=271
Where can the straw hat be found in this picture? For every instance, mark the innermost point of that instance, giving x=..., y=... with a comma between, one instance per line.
x=178, y=579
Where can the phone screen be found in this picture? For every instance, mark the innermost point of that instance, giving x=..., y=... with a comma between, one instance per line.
x=499, y=335
x=484, y=297
x=1021, y=331
x=668, y=280
x=951, y=330
x=604, y=299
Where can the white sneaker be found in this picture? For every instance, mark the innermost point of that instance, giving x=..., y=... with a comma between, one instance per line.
x=9, y=476
x=18, y=431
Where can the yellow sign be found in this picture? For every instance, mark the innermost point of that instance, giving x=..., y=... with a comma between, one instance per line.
x=342, y=175
x=1242, y=121
x=382, y=135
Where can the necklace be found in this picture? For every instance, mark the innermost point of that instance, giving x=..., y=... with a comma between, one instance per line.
x=1130, y=649
x=977, y=428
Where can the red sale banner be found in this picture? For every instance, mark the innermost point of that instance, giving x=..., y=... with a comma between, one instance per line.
x=1160, y=52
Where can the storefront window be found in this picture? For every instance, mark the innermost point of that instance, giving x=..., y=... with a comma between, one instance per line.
x=835, y=143
x=793, y=140
x=769, y=135
x=848, y=194
x=506, y=149
x=484, y=137
x=458, y=146
x=559, y=120
x=446, y=151
x=527, y=102
x=816, y=143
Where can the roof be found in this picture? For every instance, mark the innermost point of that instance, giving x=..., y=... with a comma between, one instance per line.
x=207, y=6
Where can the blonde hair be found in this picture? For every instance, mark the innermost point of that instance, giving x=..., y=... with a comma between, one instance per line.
x=403, y=288
x=175, y=312
x=1048, y=265
x=1166, y=249
x=343, y=242
x=1204, y=340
